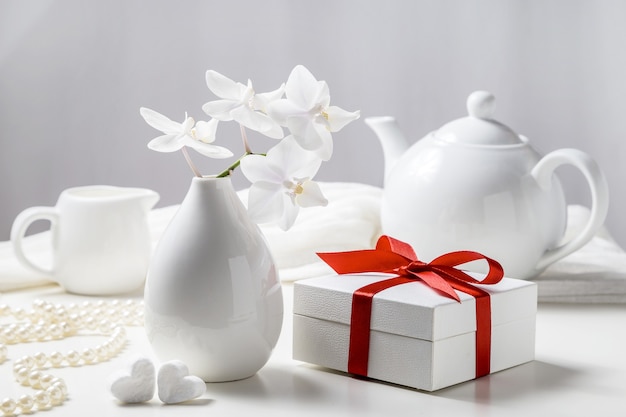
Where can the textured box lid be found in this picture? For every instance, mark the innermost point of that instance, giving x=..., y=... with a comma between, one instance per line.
x=413, y=309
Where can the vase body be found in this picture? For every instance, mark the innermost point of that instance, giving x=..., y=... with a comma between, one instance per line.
x=213, y=297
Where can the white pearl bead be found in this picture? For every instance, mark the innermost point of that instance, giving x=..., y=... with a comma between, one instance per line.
x=59, y=383
x=33, y=379
x=8, y=406
x=42, y=399
x=19, y=313
x=40, y=359
x=21, y=334
x=67, y=329
x=75, y=320
x=8, y=336
x=90, y=323
x=88, y=355
x=56, y=331
x=26, y=403
x=60, y=314
x=46, y=380
x=21, y=375
x=56, y=358
x=72, y=357
x=3, y=353
x=27, y=361
x=101, y=352
x=105, y=326
x=56, y=395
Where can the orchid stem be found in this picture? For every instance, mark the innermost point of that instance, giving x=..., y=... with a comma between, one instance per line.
x=190, y=162
x=247, y=150
x=235, y=164
x=244, y=138
x=232, y=167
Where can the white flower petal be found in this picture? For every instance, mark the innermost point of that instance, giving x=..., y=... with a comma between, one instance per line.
x=302, y=88
x=160, y=122
x=265, y=202
x=212, y=151
x=325, y=150
x=262, y=168
x=220, y=109
x=276, y=132
x=262, y=100
x=296, y=161
x=254, y=120
x=290, y=213
x=223, y=86
x=165, y=143
x=187, y=125
x=338, y=118
x=206, y=149
x=281, y=110
x=205, y=131
x=311, y=195
x=305, y=133
x=323, y=95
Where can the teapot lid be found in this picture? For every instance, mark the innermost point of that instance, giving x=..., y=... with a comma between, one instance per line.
x=479, y=128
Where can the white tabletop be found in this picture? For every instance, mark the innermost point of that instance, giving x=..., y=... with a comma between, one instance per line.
x=580, y=370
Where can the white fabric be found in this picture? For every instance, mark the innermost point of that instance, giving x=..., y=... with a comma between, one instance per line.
x=594, y=274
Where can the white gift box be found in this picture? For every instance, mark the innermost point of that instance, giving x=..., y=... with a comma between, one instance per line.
x=418, y=337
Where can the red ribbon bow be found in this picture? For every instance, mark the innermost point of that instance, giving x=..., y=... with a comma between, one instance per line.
x=397, y=257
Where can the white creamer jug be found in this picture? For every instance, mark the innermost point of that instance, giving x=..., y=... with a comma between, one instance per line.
x=100, y=238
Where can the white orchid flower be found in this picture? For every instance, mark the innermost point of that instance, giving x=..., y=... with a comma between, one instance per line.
x=198, y=136
x=281, y=183
x=240, y=103
x=307, y=113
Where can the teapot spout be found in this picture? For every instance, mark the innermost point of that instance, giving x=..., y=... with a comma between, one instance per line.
x=392, y=140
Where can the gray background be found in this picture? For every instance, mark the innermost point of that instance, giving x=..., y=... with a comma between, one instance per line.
x=74, y=73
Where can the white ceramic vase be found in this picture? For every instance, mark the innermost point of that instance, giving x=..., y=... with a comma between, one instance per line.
x=213, y=298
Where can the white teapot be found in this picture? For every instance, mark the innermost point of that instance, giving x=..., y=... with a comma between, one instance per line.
x=474, y=184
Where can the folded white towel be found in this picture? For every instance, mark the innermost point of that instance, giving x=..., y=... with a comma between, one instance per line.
x=594, y=274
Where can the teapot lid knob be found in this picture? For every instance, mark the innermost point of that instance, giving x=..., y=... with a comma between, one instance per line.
x=479, y=128
x=481, y=104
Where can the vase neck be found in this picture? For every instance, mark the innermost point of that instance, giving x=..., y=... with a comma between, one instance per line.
x=211, y=192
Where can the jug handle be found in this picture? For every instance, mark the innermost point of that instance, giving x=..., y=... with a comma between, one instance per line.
x=543, y=171
x=18, y=230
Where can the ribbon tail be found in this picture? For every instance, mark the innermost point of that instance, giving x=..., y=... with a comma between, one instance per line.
x=369, y=260
x=437, y=282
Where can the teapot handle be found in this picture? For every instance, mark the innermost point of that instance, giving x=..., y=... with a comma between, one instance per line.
x=543, y=171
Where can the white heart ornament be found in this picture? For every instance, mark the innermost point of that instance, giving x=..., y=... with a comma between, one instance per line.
x=136, y=387
x=176, y=385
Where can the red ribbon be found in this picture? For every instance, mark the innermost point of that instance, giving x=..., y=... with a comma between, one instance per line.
x=397, y=257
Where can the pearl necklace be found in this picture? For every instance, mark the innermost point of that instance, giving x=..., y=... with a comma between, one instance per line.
x=47, y=321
